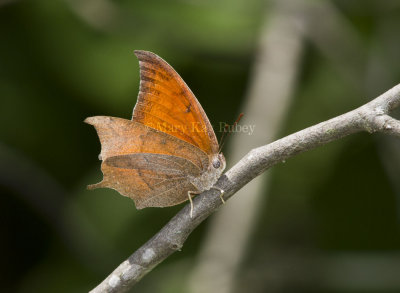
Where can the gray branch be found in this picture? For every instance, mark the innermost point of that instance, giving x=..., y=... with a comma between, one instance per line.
x=371, y=117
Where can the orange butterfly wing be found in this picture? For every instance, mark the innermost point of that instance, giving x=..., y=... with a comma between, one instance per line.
x=167, y=104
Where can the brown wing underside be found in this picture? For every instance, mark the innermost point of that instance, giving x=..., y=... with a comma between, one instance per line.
x=151, y=180
x=166, y=103
x=145, y=164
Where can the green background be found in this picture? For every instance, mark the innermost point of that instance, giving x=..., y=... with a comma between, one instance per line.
x=63, y=61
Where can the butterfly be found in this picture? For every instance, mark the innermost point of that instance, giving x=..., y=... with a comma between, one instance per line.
x=168, y=151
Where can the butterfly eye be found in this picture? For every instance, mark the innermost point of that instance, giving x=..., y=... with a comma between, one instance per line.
x=216, y=163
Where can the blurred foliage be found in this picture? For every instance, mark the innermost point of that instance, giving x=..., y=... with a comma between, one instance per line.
x=64, y=60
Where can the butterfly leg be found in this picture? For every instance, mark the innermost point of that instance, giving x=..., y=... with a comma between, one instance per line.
x=191, y=202
x=221, y=193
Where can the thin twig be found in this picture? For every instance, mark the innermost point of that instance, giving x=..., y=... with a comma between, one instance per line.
x=371, y=117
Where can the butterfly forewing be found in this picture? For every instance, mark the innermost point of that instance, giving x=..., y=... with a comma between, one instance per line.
x=166, y=103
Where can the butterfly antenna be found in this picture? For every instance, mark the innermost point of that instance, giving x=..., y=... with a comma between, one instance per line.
x=226, y=132
x=222, y=140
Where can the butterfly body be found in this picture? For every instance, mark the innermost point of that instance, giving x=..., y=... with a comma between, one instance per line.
x=168, y=151
x=208, y=178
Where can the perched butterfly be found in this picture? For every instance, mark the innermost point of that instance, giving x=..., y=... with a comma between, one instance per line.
x=168, y=151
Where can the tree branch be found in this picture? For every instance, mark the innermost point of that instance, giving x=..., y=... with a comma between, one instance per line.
x=371, y=117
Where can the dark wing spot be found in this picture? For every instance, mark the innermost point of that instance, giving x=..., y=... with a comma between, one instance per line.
x=188, y=108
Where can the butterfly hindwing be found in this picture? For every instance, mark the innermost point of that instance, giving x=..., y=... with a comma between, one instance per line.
x=151, y=180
